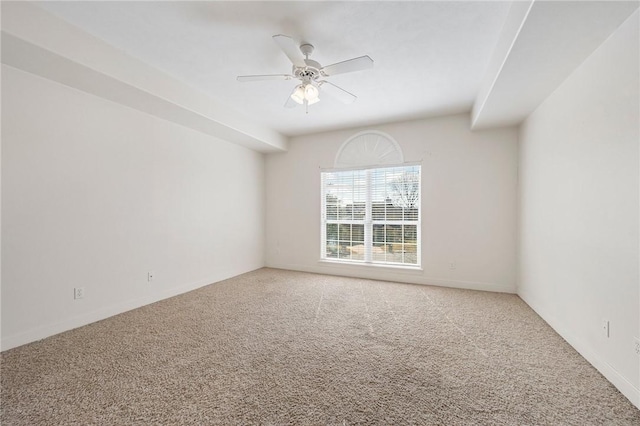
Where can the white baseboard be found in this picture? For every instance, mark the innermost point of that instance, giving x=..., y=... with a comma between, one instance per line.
x=38, y=333
x=618, y=380
x=409, y=276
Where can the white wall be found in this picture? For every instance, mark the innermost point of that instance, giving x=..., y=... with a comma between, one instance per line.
x=579, y=208
x=95, y=195
x=469, y=203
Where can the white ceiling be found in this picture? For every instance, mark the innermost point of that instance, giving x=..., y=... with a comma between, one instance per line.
x=547, y=41
x=178, y=60
x=430, y=57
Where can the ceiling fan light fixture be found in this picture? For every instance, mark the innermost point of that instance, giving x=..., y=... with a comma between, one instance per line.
x=298, y=95
x=311, y=93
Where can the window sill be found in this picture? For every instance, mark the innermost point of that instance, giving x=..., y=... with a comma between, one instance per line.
x=398, y=268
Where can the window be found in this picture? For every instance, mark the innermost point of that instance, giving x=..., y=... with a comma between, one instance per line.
x=371, y=216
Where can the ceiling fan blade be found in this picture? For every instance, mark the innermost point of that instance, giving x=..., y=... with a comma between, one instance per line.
x=337, y=92
x=290, y=48
x=290, y=103
x=244, y=78
x=351, y=65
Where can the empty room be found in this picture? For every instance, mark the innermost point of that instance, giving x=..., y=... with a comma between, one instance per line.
x=320, y=213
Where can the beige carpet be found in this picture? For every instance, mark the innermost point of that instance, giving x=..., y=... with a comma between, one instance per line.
x=277, y=347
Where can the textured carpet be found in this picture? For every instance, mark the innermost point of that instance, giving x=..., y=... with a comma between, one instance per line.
x=279, y=347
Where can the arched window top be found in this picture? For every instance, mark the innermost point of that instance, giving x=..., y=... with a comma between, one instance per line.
x=368, y=148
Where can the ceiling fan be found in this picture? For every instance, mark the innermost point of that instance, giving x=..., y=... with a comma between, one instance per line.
x=311, y=74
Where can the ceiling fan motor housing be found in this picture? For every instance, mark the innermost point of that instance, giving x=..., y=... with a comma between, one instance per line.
x=309, y=72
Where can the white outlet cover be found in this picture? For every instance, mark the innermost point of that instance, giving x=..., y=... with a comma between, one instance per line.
x=78, y=293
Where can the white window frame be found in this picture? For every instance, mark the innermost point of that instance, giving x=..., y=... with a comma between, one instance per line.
x=368, y=221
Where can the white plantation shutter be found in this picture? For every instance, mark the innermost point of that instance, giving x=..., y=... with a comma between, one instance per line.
x=371, y=215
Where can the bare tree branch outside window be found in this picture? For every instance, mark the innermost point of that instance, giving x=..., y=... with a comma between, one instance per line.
x=404, y=190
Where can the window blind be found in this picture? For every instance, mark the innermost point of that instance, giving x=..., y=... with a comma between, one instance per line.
x=371, y=215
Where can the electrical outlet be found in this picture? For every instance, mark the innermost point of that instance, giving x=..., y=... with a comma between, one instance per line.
x=78, y=293
x=605, y=328
x=636, y=347
x=150, y=276
x=452, y=266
